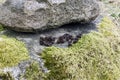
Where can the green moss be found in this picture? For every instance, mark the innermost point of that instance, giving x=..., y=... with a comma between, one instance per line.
x=34, y=72
x=12, y=52
x=1, y=28
x=6, y=76
x=96, y=56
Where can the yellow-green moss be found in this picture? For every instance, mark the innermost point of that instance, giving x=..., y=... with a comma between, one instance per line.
x=6, y=76
x=34, y=72
x=12, y=52
x=96, y=56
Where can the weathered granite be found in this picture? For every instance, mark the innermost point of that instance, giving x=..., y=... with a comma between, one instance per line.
x=34, y=15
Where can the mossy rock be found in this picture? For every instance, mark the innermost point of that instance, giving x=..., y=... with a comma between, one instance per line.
x=96, y=56
x=34, y=72
x=12, y=52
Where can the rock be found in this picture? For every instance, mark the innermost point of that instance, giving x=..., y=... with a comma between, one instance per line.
x=34, y=15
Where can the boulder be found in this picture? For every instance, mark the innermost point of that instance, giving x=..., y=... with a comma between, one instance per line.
x=35, y=15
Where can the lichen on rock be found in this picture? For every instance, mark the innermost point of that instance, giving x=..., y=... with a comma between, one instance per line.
x=95, y=56
x=12, y=52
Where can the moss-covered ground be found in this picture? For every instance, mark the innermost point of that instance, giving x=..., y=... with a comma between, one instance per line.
x=96, y=56
x=12, y=52
x=112, y=9
x=34, y=72
x=6, y=76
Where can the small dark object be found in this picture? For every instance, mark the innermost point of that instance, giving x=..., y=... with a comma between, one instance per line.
x=75, y=40
x=61, y=40
x=68, y=37
x=65, y=38
x=111, y=1
x=79, y=35
x=70, y=42
x=47, y=41
x=69, y=45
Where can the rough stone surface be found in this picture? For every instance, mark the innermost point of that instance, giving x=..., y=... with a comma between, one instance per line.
x=35, y=15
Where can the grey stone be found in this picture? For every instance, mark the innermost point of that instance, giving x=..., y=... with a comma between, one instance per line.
x=35, y=15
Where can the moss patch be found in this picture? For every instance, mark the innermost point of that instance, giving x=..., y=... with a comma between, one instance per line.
x=112, y=8
x=34, y=72
x=1, y=28
x=96, y=56
x=6, y=76
x=12, y=52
